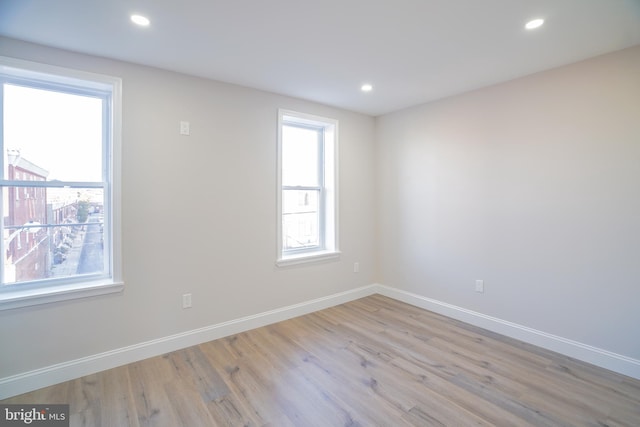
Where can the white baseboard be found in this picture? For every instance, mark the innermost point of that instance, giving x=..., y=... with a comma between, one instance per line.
x=50, y=375
x=586, y=353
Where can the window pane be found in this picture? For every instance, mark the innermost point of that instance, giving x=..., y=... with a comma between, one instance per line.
x=52, y=232
x=300, y=218
x=57, y=134
x=300, y=151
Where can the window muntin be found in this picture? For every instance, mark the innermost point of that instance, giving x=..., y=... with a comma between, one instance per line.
x=307, y=226
x=57, y=144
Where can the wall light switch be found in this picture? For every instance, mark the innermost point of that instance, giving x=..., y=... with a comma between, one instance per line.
x=186, y=301
x=480, y=286
x=185, y=128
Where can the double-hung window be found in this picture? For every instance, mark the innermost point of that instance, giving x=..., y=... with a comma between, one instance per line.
x=307, y=193
x=60, y=152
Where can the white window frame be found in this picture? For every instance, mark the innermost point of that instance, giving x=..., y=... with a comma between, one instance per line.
x=48, y=291
x=328, y=223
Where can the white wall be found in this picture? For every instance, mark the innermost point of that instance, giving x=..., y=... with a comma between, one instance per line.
x=533, y=186
x=199, y=216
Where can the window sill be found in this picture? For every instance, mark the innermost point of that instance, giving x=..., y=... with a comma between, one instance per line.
x=25, y=298
x=306, y=258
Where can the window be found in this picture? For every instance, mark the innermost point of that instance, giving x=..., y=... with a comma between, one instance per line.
x=60, y=183
x=307, y=193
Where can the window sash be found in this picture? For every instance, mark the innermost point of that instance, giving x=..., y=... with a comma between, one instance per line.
x=319, y=165
x=54, y=235
x=73, y=86
x=319, y=232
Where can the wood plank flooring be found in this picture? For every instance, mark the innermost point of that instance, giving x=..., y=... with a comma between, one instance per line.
x=370, y=362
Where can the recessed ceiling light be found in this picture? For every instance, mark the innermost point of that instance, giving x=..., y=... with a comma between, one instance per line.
x=143, y=21
x=534, y=23
x=366, y=87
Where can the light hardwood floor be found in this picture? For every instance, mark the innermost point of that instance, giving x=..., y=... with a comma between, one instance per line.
x=370, y=362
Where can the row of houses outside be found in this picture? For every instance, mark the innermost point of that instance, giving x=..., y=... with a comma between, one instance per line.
x=40, y=224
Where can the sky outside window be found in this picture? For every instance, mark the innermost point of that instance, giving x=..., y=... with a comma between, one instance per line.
x=299, y=156
x=59, y=132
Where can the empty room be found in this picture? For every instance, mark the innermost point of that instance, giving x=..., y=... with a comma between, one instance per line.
x=334, y=213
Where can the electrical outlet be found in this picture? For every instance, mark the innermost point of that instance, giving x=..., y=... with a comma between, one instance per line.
x=480, y=286
x=186, y=301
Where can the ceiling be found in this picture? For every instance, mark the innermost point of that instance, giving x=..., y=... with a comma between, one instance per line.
x=411, y=51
